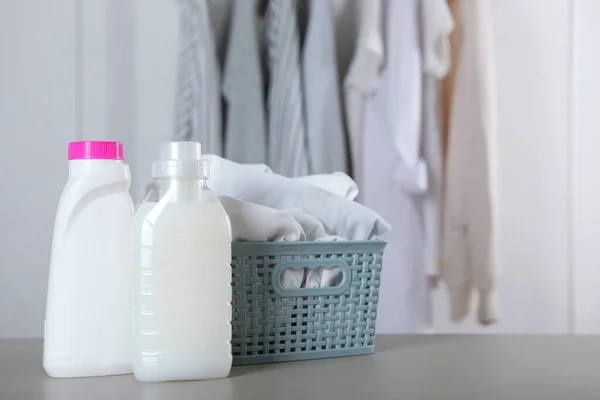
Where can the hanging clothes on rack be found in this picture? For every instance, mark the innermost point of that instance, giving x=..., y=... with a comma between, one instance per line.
x=469, y=256
x=394, y=174
x=287, y=143
x=198, y=99
x=362, y=79
x=245, y=134
x=327, y=147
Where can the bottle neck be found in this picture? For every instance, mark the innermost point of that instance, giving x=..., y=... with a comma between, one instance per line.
x=78, y=168
x=181, y=190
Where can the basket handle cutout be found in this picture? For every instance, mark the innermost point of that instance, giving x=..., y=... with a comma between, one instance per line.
x=289, y=283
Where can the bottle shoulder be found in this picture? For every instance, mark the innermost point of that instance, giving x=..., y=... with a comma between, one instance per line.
x=76, y=191
x=117, y=176
x=105, y=189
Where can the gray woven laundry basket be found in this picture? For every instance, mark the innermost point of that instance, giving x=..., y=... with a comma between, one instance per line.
x=274, y=324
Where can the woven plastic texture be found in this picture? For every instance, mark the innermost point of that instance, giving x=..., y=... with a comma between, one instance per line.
x=274, y=324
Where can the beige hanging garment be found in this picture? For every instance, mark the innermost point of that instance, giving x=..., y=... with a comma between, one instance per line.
x=468, y=250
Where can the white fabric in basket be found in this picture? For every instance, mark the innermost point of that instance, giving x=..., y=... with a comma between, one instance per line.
x=337, y=183
x=255, y=223
x=339, y=216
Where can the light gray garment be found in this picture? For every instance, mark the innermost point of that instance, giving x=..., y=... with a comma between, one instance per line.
x=287, y=153
x=245, y=134
x=362, y=79
x=327, y=147
x=198, y=100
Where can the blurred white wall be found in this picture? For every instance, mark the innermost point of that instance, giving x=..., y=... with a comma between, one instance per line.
x=585, y=164
x=38, y=117
x=69, y=71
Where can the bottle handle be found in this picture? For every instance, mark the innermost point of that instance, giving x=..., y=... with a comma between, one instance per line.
x=117, y=176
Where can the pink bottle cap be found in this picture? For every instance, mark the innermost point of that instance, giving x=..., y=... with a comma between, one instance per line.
x=95, y=150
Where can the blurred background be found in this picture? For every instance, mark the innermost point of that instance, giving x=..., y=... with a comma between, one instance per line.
x=106, y=70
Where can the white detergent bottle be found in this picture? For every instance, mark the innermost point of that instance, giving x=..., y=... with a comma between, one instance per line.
x=182, y=256
x=88, y=326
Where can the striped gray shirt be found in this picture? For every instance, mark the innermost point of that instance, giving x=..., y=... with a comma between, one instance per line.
x=327, y=145
x=198, y=100
x=245, y=137
x=287, y=153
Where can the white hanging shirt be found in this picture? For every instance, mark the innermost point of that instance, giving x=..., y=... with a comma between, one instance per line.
x=394, y=175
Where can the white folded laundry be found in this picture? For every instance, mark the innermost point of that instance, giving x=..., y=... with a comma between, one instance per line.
x=337, y=183
x=331, y=238
x=293, y=278
x=322, y=277
x=314, y=231
x=339, y=216
x=319, y=277
x=255, y=223
x=258, y=168
x=313, y=278
x=312, y=227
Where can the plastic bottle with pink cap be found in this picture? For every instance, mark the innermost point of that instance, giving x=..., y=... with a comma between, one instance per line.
x=87, y=331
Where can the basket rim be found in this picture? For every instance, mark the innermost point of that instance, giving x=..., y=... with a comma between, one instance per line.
x=287, y=248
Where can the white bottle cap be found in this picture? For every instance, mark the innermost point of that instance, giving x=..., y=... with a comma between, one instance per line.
x=180, y=160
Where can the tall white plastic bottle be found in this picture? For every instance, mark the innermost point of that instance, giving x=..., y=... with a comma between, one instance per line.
x=88, y=325
x=182, y=256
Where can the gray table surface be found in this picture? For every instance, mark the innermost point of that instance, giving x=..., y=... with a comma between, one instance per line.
x=403, y=367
